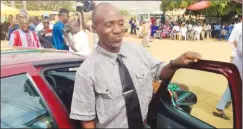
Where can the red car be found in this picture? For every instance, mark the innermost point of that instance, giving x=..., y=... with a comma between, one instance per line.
x=37, y=86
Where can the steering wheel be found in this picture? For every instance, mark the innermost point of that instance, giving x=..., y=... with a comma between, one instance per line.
x=52, y=81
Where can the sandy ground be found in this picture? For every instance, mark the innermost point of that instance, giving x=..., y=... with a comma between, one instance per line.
x=207, y=86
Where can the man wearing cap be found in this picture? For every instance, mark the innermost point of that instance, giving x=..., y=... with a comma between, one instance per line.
x=23, y=37
x=21, y=16
x=40, y=26
x=58, y=28
x=45, y=34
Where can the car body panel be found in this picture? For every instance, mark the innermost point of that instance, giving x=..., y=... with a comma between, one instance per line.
x=53, y=103
x=25, y=55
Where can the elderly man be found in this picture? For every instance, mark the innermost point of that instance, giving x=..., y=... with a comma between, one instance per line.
x=23, y=37
x=113, y=86
x=20, y=17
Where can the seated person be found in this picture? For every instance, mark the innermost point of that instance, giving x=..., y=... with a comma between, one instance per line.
x=154, y=28
x=175, y=31
x=197, y=31
x=224, y=31
x=166, y=30
x=183, y=31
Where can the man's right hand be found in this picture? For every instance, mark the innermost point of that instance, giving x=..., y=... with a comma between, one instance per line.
x=88, y=124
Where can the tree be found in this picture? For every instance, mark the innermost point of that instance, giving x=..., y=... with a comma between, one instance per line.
x=45, y=5
x=124, y=12
x=167, y=5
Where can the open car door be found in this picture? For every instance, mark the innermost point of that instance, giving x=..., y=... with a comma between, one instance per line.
x=206, y=81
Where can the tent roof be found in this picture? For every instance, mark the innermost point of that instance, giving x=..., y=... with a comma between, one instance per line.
x=8, y=10
x=237, y=1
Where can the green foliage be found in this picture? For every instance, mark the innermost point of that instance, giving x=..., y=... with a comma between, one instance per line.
x=124, y=12
x=44, y=5
x=217, y=8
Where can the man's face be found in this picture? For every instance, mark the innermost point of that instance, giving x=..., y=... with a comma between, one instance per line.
x=25, y=25
x=46, y=22
x=21, y=18
x=110, y=28
x=64, y=17
x=73, y=27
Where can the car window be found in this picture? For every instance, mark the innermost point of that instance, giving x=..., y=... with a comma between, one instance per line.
x=62, y=82
x=202, y=95
x=21, y=104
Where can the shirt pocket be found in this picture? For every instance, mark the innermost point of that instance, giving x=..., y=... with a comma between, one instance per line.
x=143, y=75
x=104, y=91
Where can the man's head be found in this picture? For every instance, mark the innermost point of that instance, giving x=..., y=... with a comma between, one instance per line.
x=46, y=22
x=64, y=15
x=108, y=23
x=22, y=16
x=45, y=16
x=24, y=25
x=73, y=26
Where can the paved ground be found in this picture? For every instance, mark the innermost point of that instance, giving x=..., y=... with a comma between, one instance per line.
x=208, y=87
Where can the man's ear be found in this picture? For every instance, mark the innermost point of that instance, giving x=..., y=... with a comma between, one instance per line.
x=94, y=28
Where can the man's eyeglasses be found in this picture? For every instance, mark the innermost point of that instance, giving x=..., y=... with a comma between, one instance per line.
x=46, y=22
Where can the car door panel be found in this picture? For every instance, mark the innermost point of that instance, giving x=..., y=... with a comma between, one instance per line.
x=54, y=106
x=161, y=107
x=179, y=118
x=167, y=123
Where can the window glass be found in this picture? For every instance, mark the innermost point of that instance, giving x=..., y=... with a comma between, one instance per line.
x=21, y=104
x=203, y=95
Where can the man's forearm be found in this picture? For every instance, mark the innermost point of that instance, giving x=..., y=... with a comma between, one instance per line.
x=167, y=72
x=88, y=124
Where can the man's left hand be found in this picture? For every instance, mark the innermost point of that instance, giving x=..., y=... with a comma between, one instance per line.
x=186, y=58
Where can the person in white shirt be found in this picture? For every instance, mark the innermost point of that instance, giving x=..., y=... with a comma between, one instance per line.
x=40, y=26
x=236, y=40
x=233, y=37
x=77, y=40
x=197, y=31
x=183, y=32
x=208, y=31
x=175, y=31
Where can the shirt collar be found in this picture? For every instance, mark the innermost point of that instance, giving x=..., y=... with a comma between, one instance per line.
x=109, y=55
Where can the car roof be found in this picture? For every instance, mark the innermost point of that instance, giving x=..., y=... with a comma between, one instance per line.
x=14, y=56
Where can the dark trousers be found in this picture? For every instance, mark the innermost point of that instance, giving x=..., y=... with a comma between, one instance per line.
x=133, y=30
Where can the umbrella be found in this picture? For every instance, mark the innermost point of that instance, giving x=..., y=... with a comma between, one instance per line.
x=199, y=5
x=8, y=10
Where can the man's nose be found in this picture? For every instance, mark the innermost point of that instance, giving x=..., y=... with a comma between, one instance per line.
x=117, y=29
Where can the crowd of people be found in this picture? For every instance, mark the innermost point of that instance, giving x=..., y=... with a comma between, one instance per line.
x=61, y=33
x=181, y=29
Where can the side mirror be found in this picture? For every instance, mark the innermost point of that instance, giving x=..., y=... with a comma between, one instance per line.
x=186, y=98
